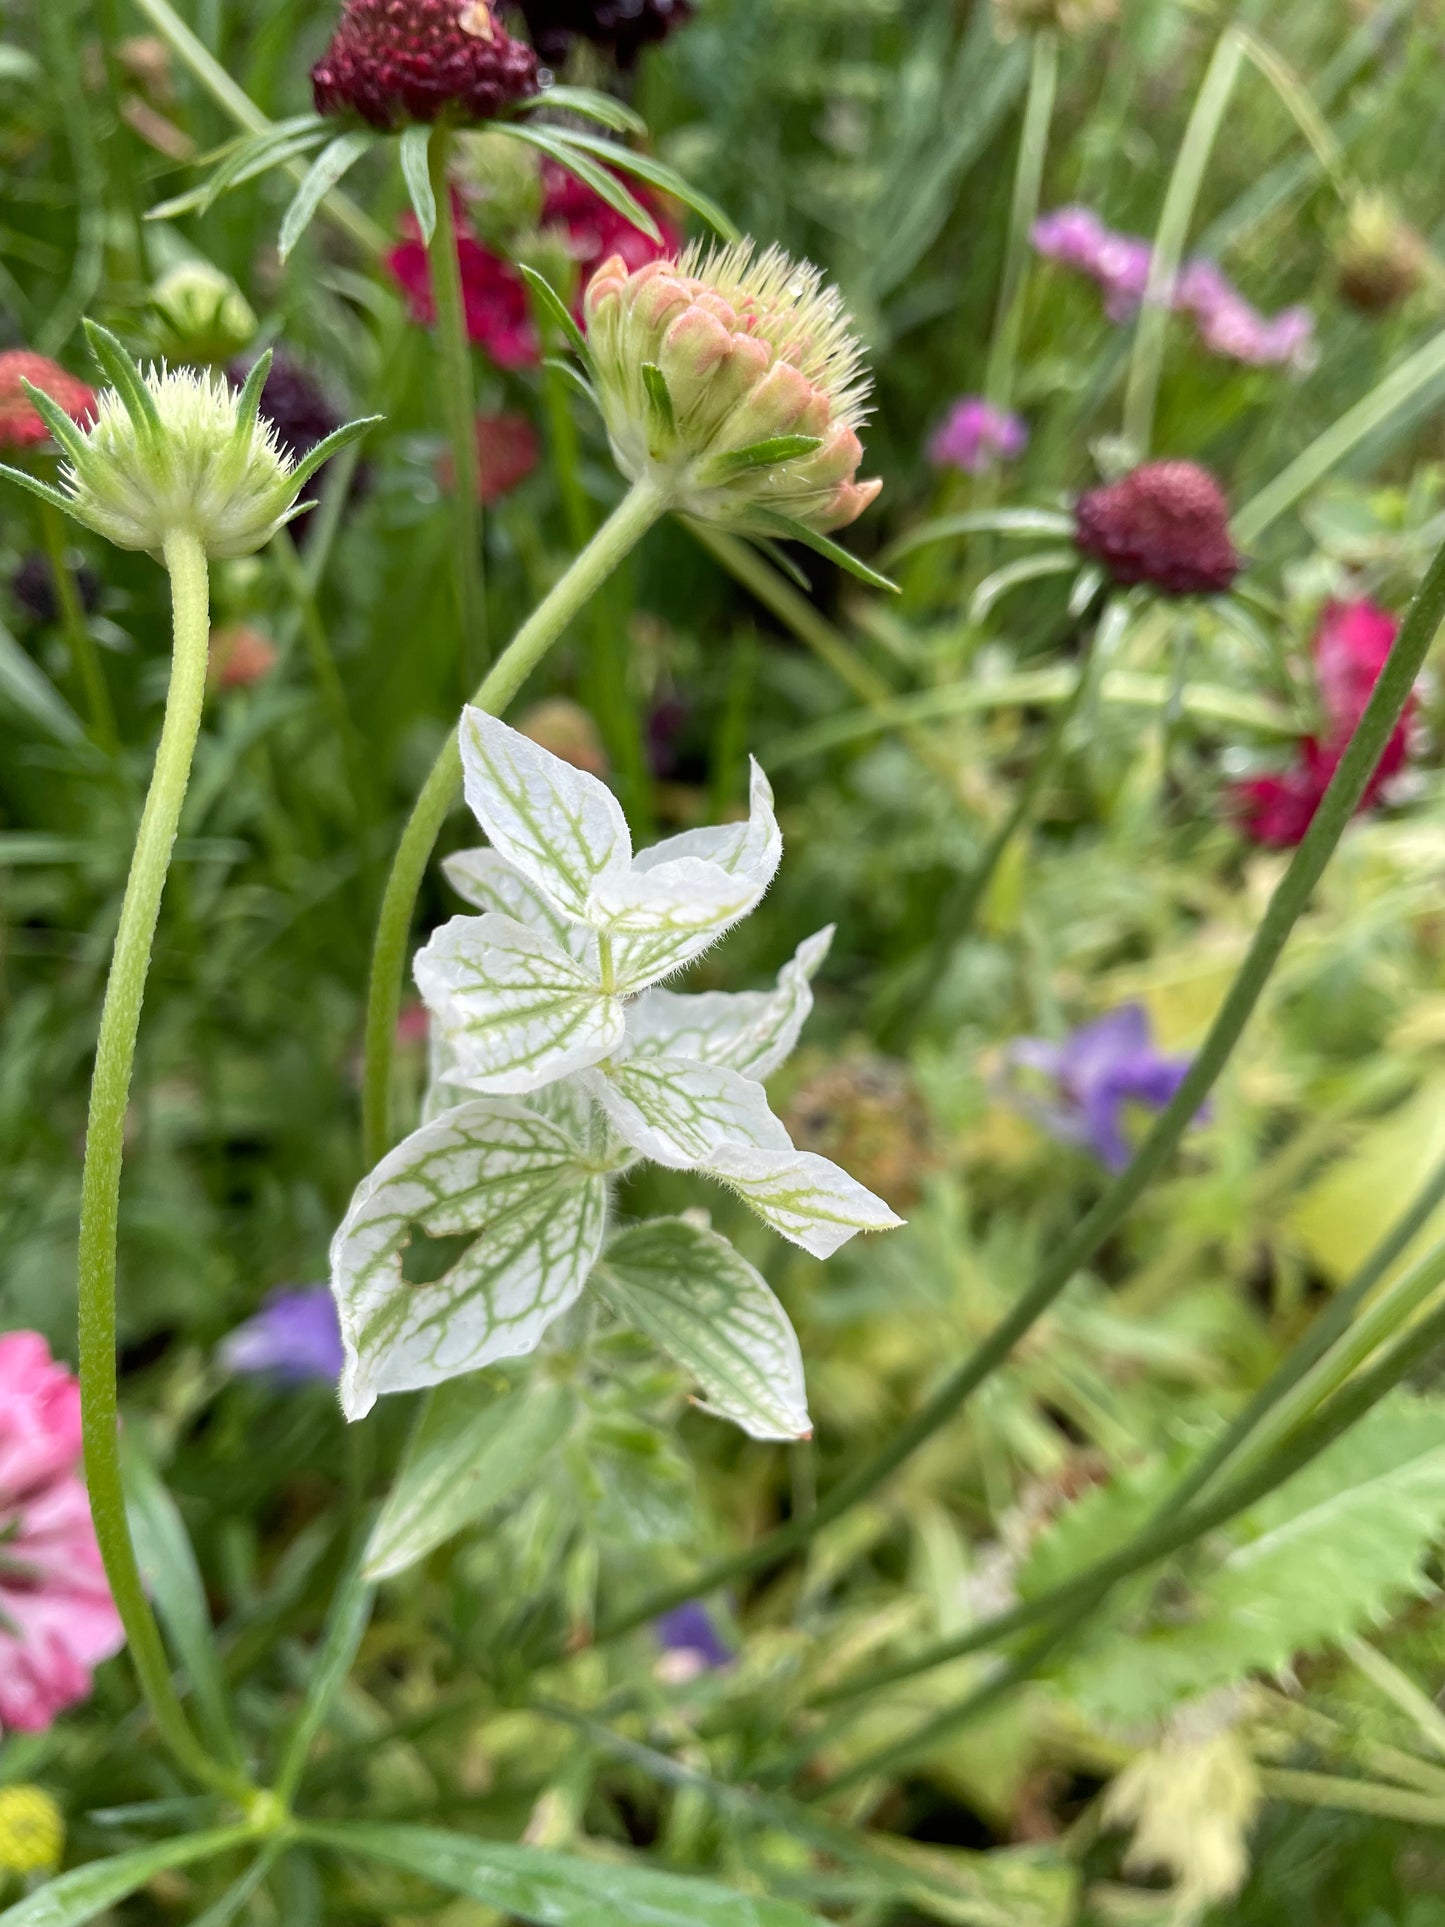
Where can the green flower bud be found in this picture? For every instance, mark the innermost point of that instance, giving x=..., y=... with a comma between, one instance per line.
x=203, y=314
x=176, y=450
x=737, y=383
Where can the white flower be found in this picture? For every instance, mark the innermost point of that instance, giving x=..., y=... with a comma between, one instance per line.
x=550, y=996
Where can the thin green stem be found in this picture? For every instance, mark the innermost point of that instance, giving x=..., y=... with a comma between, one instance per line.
x=618, y=535
x=185, y=558
x=1286, y=906
x=459, y=407
x=1023, y=210
x=1146, y=365
x=329, y=684
x=1352, y=1796
x=77, y=631
x=1088, y=1589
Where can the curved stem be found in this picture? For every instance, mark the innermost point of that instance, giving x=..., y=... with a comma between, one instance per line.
x=620, y=533
x=77, y=634
x=1286, y=906
x=454, y=367
x=185, y=558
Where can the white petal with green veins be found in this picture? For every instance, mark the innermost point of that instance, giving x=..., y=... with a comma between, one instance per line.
x=658, y=920
x=752, y=848
x=487, y=881
x=708, y=1309
x=752, y=1031
x=518, y=1011
x=490, y=1168
x=806, y=1198
x=559, y=826
x=680, y=1113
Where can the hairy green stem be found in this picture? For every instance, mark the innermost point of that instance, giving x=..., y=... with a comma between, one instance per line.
x=1090, y=1588
x=459, y=407
x=1146, y=365
x=185, y=558
x=1285, y=908
x=619, y=534
x=77, y=631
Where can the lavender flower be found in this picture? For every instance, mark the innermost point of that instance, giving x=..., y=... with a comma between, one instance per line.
x=1227, y=324
x=974, y=435
x=690, y=1642
x=293, y=1339
x=1096, y=1072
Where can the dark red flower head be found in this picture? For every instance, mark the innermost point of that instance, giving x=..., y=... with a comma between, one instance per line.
x=395, y=61
x=626, y=26
x=1166, y=524
x=20, y=424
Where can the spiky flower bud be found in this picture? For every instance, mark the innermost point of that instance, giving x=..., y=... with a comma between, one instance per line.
x=736, y=382
x=1166, y=524
x=1381, y=259
x=392, y=62
x=21, y=425
x=202, y=313
x=175, y=451
x=626, y=26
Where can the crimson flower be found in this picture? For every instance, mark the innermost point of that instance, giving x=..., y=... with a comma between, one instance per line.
x=396, y=62
x=20, y=425
x=1351, y=647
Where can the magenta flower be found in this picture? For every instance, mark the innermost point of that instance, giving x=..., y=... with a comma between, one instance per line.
x=293, y=1339
x=1076, y=238
x=57, y=1618
x=1096, y=1073
x=1351, y=647
x=494, y=296
x=974, y=435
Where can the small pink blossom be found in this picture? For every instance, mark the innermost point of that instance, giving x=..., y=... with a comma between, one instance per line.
x=974, y=435
x=1351, y=647
x=57, y=1618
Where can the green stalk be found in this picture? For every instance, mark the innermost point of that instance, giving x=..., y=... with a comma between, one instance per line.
x=1090, y=1588
x=77, y=632
x=459, y=406
x=1147, y=362
x=185, y=558
x=1028, y=181
x=1288, y=903
x=329, y=684
x=1352, y=1796
x=619, y=534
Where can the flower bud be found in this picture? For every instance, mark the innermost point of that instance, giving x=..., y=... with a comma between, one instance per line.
x=203, y=314
x=1166, y=524
x=32, y=1831
x=239, y=656
x=176, y=450
x=735, y=382
x=392, y=62
x=1381, y=259
x=21, y=425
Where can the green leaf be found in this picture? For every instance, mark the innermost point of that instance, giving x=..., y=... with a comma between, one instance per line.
x=554, y=1889
x=25, y=686
x=576, y=379
x=84, y=1892
x=172, y=1577
x=563, y=150
x=788, y=530
x=1335, y=1548
x=711, y=1311
x=415, y=145
x=469, y=1452
x=330, y=445
x=645, y=168
x=1029, y=568
x=345, y=1624
x=554, y=309
x=606, y=109
x=741, y=461
x=325, y=171
x=946, y=528
x=659, y=399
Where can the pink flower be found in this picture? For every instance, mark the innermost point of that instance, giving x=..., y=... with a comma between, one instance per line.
x=57, y=1618
x=974, y=435
x=1077, y=238
x=1351, y=647
x=494, y=295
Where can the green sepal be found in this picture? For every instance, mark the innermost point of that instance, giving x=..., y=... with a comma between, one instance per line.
x=659, y=398
x=742, y=461
x=791, y=531
x=62, y=428
x=332, y=445
x=248, y=404
x=572, y=373
x=42, y=489
x=555, y=309
x=125, y=378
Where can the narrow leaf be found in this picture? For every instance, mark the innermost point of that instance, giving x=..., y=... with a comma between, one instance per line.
x=947, y=528
x=468, y=1453
x=415, y=145
x=330, y=445
x=563, y=150
x=37, y=487
x=576, y=379
x=325, y=171
x=25, y=685
x=790, y=531
x=554, y=308
x=606, y=109
x=707, y=1308
x=657, y=175
x=345, y=1624
x=62, y=429
x=83, y=1893
x=248, y=402
x=553, y=1889
x=125, y=377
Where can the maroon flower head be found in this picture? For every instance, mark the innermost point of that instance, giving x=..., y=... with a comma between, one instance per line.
x=626, y=26
x=395, y=61
x=1166, y=524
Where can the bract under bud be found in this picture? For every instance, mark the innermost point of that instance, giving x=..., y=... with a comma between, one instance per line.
x=734, y=381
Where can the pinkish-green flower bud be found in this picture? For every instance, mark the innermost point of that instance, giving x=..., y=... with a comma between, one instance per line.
x=735, y=382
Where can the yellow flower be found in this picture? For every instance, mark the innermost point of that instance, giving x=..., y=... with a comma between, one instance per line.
x=32, y=1831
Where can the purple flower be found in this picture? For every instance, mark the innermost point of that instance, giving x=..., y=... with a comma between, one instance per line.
x=974, y=435
x=292, y=1339
x=1096, y=1072
x=690, y=1641
x=1076, y=237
